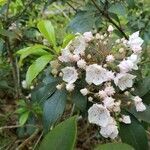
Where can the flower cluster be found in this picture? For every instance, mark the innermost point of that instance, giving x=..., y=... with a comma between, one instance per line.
x=105, y=70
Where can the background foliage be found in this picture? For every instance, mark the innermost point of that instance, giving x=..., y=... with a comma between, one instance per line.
x=25, y=113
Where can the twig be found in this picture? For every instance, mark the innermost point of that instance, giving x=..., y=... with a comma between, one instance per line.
x=105, y=14
x=72, y=6
x=17, y=126
x=37, y=142
x=13, y=19
x=28, y=140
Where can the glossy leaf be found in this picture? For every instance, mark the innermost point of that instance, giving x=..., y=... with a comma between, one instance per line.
x=118, y=8
x=62, y=137
x=67, y=39
x=34, y=50
x=143, y=87
x=114, y=146
x=47, y=29
x=23, y=118
x=134, y=134
x=54, y=108
x=144, y=116
x=79, y=100
x=83, y=21
x=37, y=67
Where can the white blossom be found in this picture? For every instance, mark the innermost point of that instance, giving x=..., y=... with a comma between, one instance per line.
x=109, y=102
x=135, y=42
x=124, y=80
x=79, y=45
x=111, y=130
x=70, y=87
x=98, y=114
x=84, y=91
x=126, y=66
x=90, y=99
x=81, y=64
x=116, y=107
x=139, y=104
x=110, y=75
x=110, y=28
x=59, y=86
x=88, y=36
x=126, y=119
x=65, y=55
x=102, y=94
x=95, y=74
x=24, y=84
x=74, y=58
x=134, y=59
x=109, y=90
x=110, y=58
x=70, y=74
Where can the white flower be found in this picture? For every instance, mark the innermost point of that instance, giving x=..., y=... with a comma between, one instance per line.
x=109, y=102
x=65, y=55
x=116, y=107
x=88, y=36
x=59, y=86
x=137, y=99
x=111, y=130
x=126, y=119
x=98, y=114
x=69, y=87
x=121, y=50
x=135, y=42
x=79, y=45
x=109, y=90
x=70, y=74
x=95, y=74
x=81, y=64
x=102, y=94
x=124, y=80
x=90, y=99
x=24, y=84
x=134, y=59
x=139, y=104
x=110, y=58
x=74, y=58
x=110, y=75
x=110, y=28
x=126, y=66
x=98, y=36
x=84, y=91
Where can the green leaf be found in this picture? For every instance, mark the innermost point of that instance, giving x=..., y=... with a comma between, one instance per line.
x=63, y=136
x=54, y=108
x=37, y=67
x=144, y=116
x=118, y=8
x=43, y=92
x=47, y=29
x=134, y=134
x=34, y=50
x=23, y=118
x=83, y=21
x=79, y=100
x=142, y=87
x=114, y=146
x=67, y=39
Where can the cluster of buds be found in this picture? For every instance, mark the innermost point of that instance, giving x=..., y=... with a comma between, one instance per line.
x=104, y=67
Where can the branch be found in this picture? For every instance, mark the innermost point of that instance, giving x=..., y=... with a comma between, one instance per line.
x=105, y=14
x=13, y=19
x=72, y=6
